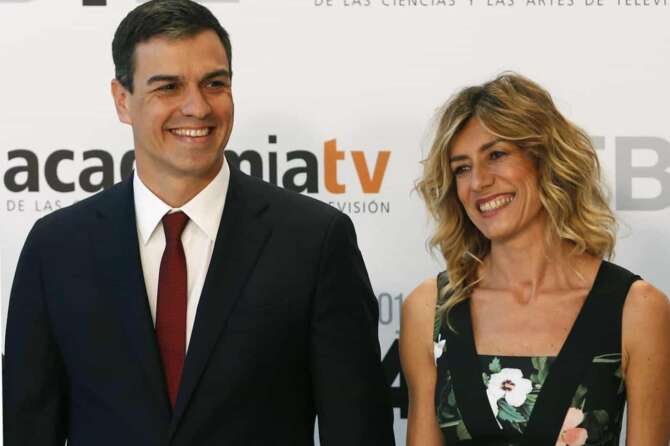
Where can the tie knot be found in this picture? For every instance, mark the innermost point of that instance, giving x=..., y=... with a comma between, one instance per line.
x=174, y=225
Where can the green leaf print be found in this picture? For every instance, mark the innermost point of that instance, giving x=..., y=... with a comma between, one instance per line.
x=578, y=399
x=601, y=416
x=539, y=362
x=531, y=398
x=540, y=365
x=462, y=432
x=509, y=413
x=451, y=399
x=596, y=422
x=447, y=410
x=525, y=410
x=494, y=366
x=527, y=407
x=486, y=379
x=610, y=358
x=517, y=427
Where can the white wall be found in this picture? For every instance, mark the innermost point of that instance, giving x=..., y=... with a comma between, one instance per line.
x=370, y=77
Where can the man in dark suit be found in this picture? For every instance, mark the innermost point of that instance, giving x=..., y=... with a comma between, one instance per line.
x=191, y=304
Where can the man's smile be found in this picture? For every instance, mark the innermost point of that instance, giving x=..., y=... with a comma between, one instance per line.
x=192, y=132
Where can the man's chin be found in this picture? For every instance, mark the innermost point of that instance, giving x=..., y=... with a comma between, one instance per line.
x=197, y=169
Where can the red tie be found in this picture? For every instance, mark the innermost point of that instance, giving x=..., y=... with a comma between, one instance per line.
x=171, y=312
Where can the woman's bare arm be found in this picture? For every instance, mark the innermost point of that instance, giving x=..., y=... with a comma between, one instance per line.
x=416, y=356
x=646, y=349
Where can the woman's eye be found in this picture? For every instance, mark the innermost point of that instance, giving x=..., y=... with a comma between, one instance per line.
x=495, y=154
x=460, y=170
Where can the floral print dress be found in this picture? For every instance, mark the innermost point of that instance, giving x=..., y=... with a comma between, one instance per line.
x=573, y=399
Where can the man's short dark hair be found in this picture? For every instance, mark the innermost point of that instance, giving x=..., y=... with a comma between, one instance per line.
x=174, y=19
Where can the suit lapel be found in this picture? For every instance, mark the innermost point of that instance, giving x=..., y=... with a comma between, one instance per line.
x=116, y=246
x=240, y=239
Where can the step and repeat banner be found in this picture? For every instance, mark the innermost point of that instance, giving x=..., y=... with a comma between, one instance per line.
x=335, y=99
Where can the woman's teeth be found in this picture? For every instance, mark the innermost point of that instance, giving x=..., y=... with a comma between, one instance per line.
x=496, y=203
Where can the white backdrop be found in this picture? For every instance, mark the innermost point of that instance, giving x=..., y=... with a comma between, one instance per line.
x=369, y=74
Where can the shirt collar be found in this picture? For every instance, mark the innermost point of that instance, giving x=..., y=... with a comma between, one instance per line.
x=204, y=210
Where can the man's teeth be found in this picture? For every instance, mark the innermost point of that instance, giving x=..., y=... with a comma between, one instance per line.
x=193, y=133
x=495, y=204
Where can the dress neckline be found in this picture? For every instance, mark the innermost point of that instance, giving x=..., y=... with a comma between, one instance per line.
x=517, y=356
x=589, y=294
x=576, y=348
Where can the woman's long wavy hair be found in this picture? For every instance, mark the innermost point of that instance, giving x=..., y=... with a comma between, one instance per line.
x=517, y=110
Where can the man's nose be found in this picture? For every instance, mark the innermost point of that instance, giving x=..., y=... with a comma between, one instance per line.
x=195, y=104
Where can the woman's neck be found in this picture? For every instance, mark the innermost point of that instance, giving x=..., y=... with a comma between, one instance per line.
x=532, y=265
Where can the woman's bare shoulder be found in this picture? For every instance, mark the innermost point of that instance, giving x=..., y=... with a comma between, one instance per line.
x=646, y=315
x=647, y=300
x=420, y=303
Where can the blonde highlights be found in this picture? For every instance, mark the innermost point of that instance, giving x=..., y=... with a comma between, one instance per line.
x=515, y=109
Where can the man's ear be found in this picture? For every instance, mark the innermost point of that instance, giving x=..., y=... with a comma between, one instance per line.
x=121, y=98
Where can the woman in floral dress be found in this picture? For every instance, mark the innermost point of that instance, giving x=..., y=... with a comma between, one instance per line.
x=529, y=337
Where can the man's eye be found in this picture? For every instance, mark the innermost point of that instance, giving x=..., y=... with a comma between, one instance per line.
x=167, y=87
x=216, y=84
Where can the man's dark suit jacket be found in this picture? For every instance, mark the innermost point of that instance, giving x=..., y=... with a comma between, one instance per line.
x=286, y=328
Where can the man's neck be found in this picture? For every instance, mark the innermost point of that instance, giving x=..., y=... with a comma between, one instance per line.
x=176, y=190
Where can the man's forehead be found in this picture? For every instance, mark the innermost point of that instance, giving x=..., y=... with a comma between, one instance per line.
x=202, y=52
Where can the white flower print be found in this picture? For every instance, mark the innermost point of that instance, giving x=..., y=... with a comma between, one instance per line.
x=438, y=347
x=509, y=384
x=493, y=397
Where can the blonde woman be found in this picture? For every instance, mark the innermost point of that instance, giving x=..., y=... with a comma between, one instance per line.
x=530, y=337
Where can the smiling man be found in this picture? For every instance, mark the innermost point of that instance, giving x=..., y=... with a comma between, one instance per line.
x=190, y=304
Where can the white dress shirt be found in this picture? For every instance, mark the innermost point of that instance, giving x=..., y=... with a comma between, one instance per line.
x=204, y=212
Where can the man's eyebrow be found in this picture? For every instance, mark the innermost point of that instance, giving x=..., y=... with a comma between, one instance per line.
x=482, y=148
x=163, y=78
x=218, y=73
x=173, y=78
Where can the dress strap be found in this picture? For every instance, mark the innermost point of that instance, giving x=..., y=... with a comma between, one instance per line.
x=442, y=280
x=598, y=320
x=463, y=363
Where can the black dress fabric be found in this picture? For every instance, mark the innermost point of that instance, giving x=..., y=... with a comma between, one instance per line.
x=574, y=399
